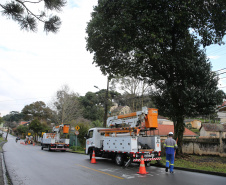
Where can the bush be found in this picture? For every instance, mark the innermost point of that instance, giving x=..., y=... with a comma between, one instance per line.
x=79, y=148
x=73, y=148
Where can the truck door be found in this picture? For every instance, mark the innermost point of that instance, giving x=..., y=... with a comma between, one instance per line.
x=89, y=140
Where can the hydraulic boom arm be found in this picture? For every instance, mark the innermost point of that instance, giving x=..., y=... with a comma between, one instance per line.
x=134, y=119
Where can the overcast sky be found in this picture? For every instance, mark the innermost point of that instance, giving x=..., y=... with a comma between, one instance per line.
x=33, y=66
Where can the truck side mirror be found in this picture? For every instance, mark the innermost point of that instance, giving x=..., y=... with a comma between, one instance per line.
x=86, y=136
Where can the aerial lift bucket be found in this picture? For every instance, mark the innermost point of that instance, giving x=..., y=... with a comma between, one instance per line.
x=151, y=119
x=66, y=128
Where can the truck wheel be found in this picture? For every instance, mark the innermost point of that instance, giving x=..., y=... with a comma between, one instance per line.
x=42, y=148
x=119, y=159
x=50, y=148
x=90, y=154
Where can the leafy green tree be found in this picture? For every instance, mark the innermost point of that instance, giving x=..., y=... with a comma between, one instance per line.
x=22, y=129
x=84, y=125
x=36, y=126
x=96, y=123
x=37, y=110
x=1, y=120
x=23, y=13
x=159, y=41
x=11, y=119
x=13, y=116
x=92, y=106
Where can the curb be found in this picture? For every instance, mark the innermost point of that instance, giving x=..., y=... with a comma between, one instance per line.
x=193, y=170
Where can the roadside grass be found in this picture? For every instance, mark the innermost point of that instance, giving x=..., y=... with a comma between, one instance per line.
x=206, y=163
x=78, y=149
x=1, y=139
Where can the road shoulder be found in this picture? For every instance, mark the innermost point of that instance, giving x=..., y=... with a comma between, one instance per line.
x=2, y=167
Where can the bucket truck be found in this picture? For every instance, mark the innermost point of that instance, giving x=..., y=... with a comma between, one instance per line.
x=52, y=141
x=127, y=138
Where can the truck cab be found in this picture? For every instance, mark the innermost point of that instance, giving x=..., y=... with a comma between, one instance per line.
x=94, y=139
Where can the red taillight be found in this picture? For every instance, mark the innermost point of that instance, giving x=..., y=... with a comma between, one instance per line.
x=159, y=154
x=134, y=155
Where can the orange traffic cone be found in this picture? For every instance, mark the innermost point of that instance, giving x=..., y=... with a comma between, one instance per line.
x=33, y=143
x=142, y=169
x=93, y=160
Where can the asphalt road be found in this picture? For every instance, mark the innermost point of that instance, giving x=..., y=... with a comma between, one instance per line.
x=28, y=164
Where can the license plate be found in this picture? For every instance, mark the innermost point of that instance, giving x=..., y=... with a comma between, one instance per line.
x=148, y=156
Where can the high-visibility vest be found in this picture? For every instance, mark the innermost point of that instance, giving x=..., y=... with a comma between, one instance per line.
x=170, y=145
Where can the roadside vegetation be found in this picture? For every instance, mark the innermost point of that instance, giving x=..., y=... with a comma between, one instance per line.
x=1, y=139
x=78, y=149
x=206, y=163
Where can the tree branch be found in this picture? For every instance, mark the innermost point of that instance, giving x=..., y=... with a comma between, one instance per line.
x=29, y=12
x=31, y=2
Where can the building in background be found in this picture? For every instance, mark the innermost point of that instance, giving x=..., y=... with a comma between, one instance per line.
x=193, y=123
x=222, y=113
x=209, y=130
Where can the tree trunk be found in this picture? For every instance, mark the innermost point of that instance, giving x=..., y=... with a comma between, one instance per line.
x=178, y=133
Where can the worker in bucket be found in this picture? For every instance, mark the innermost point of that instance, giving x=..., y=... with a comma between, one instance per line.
x=170, y=145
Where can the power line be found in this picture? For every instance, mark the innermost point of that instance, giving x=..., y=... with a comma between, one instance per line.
x=220, y=70
x=221, y=73
x=216, y=51
x=24, y=99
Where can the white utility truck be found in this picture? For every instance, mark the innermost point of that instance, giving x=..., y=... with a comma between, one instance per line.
x=128, y=138
x=52, y=141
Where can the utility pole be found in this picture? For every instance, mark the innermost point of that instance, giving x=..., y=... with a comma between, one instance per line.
x=106, y=105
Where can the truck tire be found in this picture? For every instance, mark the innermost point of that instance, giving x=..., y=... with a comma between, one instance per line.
x=90, y=154
x=119, y=160
x=42, y=148
x=50, y=148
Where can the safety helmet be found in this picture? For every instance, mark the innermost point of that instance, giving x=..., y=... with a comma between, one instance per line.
x=170, y=133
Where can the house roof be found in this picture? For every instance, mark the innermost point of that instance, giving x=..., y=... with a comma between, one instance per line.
x=222, y=107
x=24, y=122
x=223, y=104
x=165, y=129
x=214, y=127
x=162, y=117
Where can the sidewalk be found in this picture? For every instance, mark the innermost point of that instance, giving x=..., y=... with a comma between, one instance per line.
x=1, y=169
